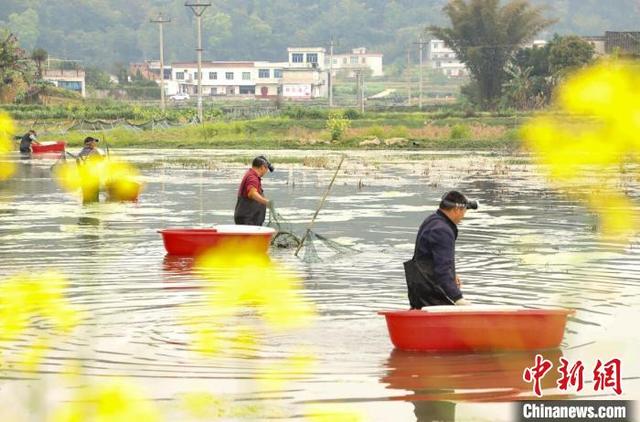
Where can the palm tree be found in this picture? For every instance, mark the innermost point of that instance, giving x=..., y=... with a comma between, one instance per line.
x=39, y=55
x=484, y=35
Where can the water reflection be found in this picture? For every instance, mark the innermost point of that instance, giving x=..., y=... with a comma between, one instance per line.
x=439, y=381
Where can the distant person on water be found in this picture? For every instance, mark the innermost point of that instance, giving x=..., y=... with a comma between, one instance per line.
x=431, y=273
x=90, y=148
x=26, y=140
x=251, y=206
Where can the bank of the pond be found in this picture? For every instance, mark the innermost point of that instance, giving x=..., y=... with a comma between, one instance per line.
x=406, y=132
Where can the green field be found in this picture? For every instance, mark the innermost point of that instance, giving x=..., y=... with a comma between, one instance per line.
x=266, y=126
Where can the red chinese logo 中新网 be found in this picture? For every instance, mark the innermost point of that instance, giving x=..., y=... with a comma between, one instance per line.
x=607, y=375
x=537, y=372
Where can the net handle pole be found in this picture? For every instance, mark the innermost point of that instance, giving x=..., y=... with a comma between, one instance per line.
x=324, y=197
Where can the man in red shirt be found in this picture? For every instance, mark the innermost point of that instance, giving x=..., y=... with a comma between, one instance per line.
x=251, y=207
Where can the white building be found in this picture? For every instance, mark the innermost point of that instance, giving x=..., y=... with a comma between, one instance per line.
x=441, y=57
x=359, y=58
x=303, y=76
x=312, y=57
x=73, y=80
x=269, y=79
x=218, y=78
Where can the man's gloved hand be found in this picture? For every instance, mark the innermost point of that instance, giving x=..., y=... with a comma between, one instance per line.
x=462, y=302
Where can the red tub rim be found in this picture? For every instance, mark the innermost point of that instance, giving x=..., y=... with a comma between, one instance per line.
x=221, y=229
x=475, y=310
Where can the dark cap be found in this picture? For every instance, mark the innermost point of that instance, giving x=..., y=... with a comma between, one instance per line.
x=454, y=199
x=89, y=139
x=260, y=161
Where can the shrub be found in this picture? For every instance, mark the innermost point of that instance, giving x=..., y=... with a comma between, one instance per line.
x=352, y=114
x=337, y=125
x=460, y=132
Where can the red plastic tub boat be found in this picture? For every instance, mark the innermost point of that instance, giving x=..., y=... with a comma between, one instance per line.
x=48, y=147
x=191, y=242
x=476, y=328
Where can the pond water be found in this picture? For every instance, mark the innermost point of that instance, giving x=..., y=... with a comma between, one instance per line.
x=526, y=245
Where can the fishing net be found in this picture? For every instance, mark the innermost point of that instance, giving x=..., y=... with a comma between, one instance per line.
x=286, y=238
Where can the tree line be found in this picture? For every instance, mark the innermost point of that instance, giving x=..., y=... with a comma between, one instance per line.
x=106, y=32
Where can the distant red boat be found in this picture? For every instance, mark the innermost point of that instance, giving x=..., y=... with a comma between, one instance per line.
x=191, y=242
x=476, y=328
x=48, y=147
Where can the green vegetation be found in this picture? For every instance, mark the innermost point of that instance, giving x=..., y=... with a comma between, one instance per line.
x=534, y=72
x=484, y=35
x=102, y=33
x=296, y=128
x=337, y=125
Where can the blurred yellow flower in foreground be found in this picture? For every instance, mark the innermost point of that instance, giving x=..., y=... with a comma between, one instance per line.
x=335, y=413
x=6, y=131
x=242, y=283
x=595, y=132
x=203, y=405
x=114, y=401
x=242, y=278
x=274, y=376
x=25, y=298
x=119, y=178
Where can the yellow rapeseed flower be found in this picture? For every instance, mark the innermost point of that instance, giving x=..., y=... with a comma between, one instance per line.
x=274, y=376
x=333, y=413
x=24, y=297
x=594, y=133
x=203, y=405
x=119, y=178
x=6, y=131
x=114, y=401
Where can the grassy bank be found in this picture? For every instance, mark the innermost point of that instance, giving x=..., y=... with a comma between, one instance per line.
x=291, y=128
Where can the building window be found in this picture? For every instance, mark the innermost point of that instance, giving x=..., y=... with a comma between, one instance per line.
x=277, y=73
x=195, y=76
x=297, y=58
x=232, y=91
x=213, y=75
x=247, y=90
x=335, y=61
x=312, y=58
x=354, y=59
x=364, y=61
x=180, y=76
x=246, y=76
x=214, y=91
x=229, y=76
x=264, y=73
x=70, y=85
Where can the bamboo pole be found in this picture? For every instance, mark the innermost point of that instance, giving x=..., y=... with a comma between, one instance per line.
x=324, y=197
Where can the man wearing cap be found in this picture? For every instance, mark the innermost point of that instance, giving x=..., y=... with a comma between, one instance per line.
x=434, y=255
x=251, y=206
x=26, y=140
x=90, y=148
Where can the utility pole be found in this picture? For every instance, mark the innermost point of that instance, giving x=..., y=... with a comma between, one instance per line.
x=161, y=21
x=420, y=44
x=408, y=76
x=198, y=9
x=330, y=79
x=359, y=73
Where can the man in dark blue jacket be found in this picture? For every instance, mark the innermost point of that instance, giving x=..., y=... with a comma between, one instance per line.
x=435, y=254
